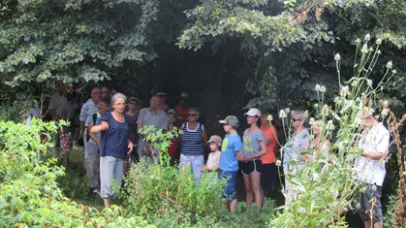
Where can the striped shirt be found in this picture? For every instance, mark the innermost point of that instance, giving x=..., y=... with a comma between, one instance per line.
x=192, y=141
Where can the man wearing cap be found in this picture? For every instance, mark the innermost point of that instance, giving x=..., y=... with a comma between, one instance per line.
x=183, y=108
x=231, y=152
x=151, y=116
x=369, y=167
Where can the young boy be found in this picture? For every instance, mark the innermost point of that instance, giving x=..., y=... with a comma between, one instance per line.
x=231, y=152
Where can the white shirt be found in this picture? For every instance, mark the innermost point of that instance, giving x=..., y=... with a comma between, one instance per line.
x=373, y=140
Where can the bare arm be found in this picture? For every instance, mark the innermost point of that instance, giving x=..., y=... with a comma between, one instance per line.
x=204, y=135
x=99, y=128
x=92, y=135
x=374, y=155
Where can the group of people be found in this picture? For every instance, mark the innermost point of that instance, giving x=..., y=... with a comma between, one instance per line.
x=109, y=124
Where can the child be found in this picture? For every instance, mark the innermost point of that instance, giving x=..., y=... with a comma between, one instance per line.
x=213, y=160
x=231, y=152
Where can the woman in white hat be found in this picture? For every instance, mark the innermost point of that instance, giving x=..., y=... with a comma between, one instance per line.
x=254, y=148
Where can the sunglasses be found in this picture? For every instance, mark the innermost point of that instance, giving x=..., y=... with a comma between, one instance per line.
x=192, y=114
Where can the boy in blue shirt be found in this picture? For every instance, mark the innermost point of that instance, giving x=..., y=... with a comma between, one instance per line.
x=231, y=152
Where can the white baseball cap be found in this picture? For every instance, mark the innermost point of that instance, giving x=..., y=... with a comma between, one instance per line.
x=253, y=112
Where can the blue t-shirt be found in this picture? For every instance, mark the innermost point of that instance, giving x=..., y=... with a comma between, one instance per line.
x=228, y=159
x=114, y=141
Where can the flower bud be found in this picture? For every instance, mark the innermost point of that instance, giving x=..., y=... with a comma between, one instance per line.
x=278, y=162
x=282, y=114
x=337, y=57
x=369, y=82
x=311, y=121
x=389, y=65
x=364, y=49
x=324, y=110
x=330, y=125
x=394, y=71
x=345, y=90
x=323, y=89
x=270, y=118
x=367, y=37
x=378, y=41
x=318, y=87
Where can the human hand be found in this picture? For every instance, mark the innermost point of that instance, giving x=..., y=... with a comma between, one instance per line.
x=130, y=147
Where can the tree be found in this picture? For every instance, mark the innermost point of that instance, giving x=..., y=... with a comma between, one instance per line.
x=71, y=40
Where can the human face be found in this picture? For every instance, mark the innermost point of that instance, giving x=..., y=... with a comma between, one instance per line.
x=96, y=94
x=119, y=105
x=132, y=105
x=105, y=92
x=102, y=107
x=171, y=119
x=192, y=116
x=366, y=122
x=213, y=146
x=296, y=122
x=317, y=127
x=227, y=127
x=252, y=119
x=154, y=103
x=264, y=118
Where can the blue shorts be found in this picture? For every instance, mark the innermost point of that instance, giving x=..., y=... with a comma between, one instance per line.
x=231, y=178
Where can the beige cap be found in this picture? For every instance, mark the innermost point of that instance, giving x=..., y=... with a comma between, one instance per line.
x=215, y=139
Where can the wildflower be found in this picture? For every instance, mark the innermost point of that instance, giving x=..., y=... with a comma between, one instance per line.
x=278, y=162
x=364, y=49
x=311, y=121
x=337, y=57
x=330, y=125
x=287, y=110
x=324, y=110
x=379, y=52
x=345, y=90
x=369, y=82
x=357, y=206
x=318, y=87
x=354, y=83
x=358, y=41
x=373, y=188
x=282, y=114
x=337, y=100
x=316, y=105
x=367, y=37
x=378, y=41
x=270, y=118
x=323, y=89
x=389, y=65
x=302, y=210
x=394, y=71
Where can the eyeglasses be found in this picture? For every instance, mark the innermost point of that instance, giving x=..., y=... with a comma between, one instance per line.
x=192, y=114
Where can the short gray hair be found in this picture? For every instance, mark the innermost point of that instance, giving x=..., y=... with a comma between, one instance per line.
x=196, y=110
x=116, y=97
x=300, y=114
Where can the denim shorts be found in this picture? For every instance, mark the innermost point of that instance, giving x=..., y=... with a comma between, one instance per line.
x=231, y=178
